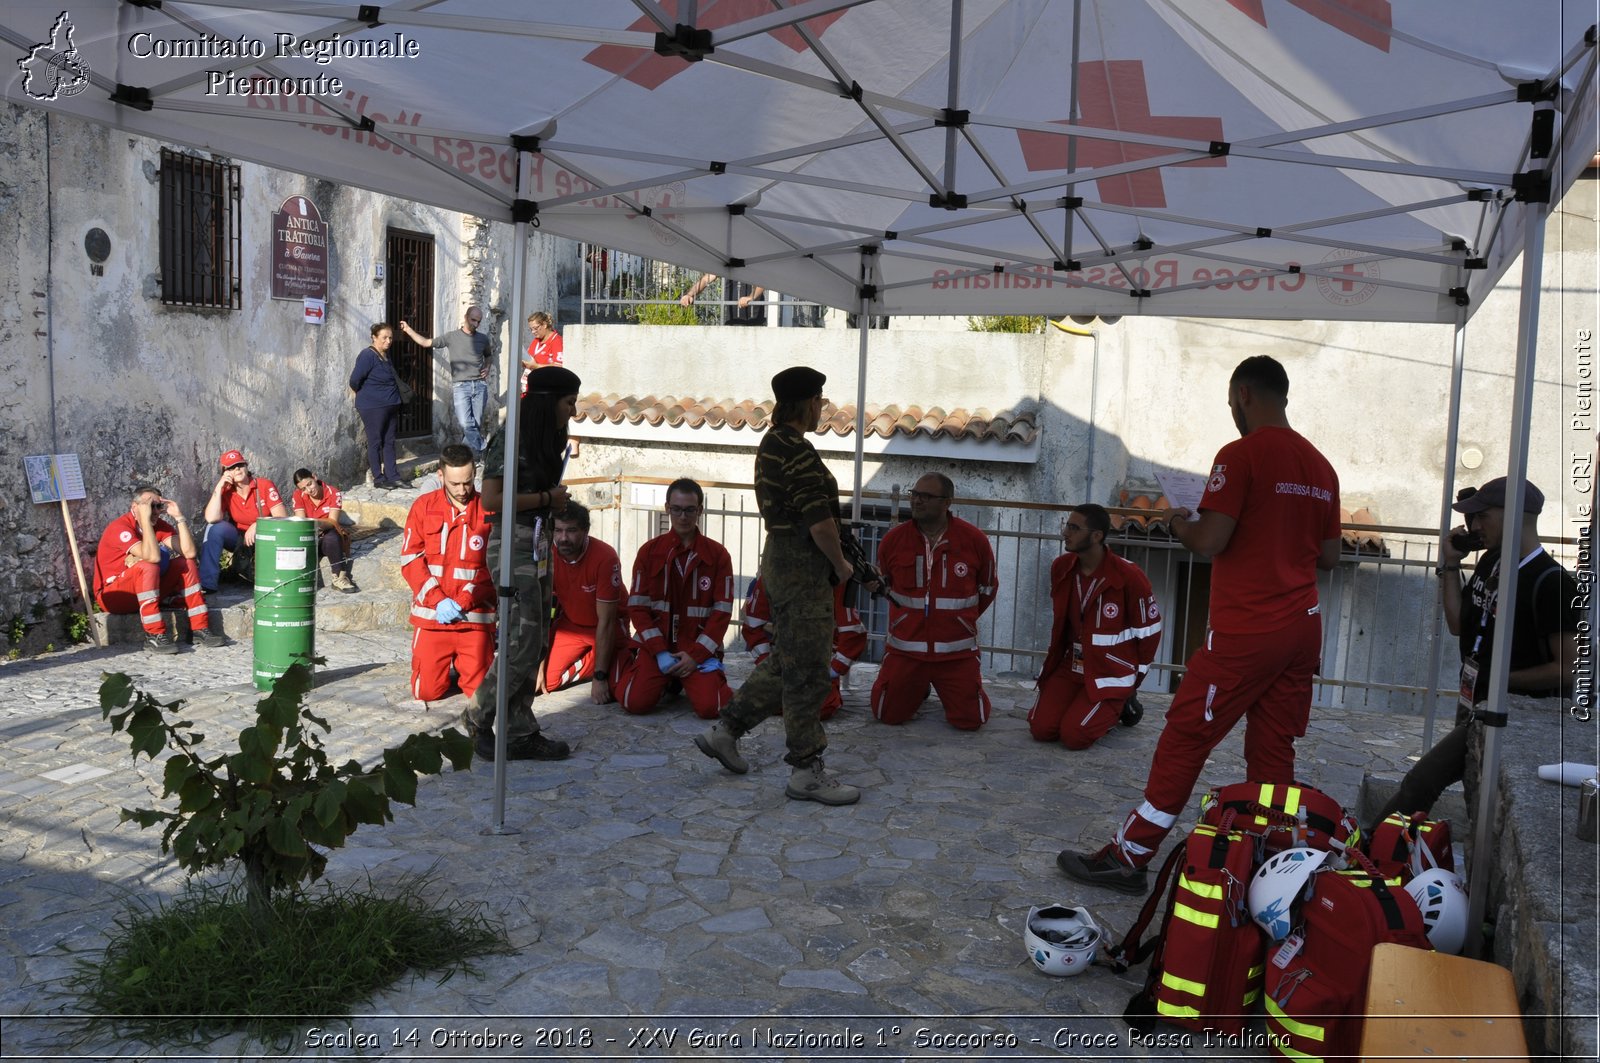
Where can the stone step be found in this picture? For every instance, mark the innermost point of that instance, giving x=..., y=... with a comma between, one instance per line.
x=233, y=613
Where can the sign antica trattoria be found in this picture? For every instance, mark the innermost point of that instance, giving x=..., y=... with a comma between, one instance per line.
x=299, y=251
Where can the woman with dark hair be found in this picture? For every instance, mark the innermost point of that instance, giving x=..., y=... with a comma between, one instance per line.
x=542, y=420
x=375, y=386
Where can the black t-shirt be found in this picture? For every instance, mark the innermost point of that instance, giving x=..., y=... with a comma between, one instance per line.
x=1546, y=596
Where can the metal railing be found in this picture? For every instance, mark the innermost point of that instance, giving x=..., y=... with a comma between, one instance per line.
x=621, y=288
x=1381, y=612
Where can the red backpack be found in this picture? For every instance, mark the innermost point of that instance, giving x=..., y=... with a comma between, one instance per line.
x=1316, y=978
x=1409, y=845
x=1286, y=815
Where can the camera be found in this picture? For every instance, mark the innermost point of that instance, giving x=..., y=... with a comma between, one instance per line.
x=1466, y=542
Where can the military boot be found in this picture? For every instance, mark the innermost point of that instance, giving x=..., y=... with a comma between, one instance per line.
x=812, y=783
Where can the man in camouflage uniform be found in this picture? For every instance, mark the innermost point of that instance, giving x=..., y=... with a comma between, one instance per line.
x=530, y=574
x=799, y=502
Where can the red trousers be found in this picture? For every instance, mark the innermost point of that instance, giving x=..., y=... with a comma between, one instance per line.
x=1067, y=712
x=639, y=686
x=140, y=588
x=571, y=658
x=1265, y=678
x=434, y=650
x=903, y=683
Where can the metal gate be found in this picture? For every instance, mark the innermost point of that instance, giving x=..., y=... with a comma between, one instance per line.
x=409, y=297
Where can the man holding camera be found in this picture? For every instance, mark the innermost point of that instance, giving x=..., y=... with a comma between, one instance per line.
x=1543, y=635
x=144, y=554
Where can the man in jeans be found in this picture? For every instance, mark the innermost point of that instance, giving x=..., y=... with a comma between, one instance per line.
x=469, y=352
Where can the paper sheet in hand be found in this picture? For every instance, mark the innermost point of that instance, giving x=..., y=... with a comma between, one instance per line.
x=1183, y=490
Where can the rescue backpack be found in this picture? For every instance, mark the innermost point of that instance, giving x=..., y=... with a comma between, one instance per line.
x=1316, y=977
x=1285, y=815
x=1206, y=963
x=1409, y=845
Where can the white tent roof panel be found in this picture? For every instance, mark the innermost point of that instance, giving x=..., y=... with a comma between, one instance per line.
x=1345, y=161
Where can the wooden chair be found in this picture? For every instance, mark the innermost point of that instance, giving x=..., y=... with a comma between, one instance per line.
x=1431, y=1006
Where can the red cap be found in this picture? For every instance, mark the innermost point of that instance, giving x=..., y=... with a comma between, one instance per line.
x=231, y=458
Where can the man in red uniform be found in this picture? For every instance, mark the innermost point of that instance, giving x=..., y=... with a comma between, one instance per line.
x=587, y=580
x=1103, y=638
x=941, y=576
x=135, y=566
x=849, y=637
x=321, y=502
x=236, y=503
x=680, y=607
x=1269, y=520
x=443, y=558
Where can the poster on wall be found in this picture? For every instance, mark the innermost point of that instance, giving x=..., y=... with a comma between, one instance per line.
x=299, y=251
x=316, y=310
x=54, y=477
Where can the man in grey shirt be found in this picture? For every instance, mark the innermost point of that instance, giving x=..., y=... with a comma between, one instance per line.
x=469, y=352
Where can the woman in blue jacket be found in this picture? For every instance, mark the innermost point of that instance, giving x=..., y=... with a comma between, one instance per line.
x=376, y=389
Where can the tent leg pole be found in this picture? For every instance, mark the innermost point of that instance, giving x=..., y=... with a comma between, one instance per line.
x=1511, y=554
x=862, y=323
x=1430, y=705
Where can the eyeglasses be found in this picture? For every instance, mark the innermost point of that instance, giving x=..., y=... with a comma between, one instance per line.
x=241, y=465
x=684, y=511
x=923, y=496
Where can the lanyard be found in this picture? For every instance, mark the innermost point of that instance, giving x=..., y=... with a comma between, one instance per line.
x=1491, y=599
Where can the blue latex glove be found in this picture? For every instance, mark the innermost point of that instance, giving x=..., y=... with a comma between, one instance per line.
x=710, y=664
x=447, y=611
x=666, y=661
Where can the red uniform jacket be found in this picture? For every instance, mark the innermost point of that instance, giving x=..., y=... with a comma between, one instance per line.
x=1121, y=625
x=849, y=633
x=443, y=556
x=934, y=609
x=682, y=597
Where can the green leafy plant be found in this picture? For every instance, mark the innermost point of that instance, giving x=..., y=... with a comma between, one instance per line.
x=673, y=313
x=16, y=628
x=272, y=804
x=78, y=625
x=1007, y=323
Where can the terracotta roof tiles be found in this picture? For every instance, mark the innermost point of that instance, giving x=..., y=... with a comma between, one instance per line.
x=1147, y=509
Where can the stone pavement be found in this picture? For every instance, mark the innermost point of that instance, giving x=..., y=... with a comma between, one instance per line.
x=649, y=893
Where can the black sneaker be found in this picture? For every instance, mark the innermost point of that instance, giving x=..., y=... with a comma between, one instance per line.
x=1132, y=713
x=1104, y=870
x=162, y=643
x=210, y=639
x=537, y=747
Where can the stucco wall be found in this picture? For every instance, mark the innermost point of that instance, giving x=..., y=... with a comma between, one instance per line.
x=147, y=392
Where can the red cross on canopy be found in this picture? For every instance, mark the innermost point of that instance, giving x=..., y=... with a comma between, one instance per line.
x=1368, y=21
x=650, y=71
x=1348, y=283
x=1112, y=95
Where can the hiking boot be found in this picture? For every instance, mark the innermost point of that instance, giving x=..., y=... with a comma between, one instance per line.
x=1104, y=870
x=342, y=582
x=1132, y=713
x=537, y=747
x=162, y=643
x=721, y=744
x=811, y=783
x=483, y=742
x=204, y=636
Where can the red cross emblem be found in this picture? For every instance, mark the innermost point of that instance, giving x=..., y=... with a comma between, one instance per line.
x=1112, y=95
x=650, y=71
x=1368, y=21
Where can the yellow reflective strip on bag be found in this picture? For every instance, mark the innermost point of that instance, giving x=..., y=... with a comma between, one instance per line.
x=1291, y=800
x=1264, y=798
x=1191, y=915
x=1201, y=889
x=1177, y=1011
x=1257, y=971
x=1294, y=1026
x=1183, y=985
x=1252, y=996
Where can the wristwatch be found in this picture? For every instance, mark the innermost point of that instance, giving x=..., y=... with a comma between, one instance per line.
x=601, y=673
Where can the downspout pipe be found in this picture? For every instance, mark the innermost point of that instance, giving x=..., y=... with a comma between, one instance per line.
x=1068, y=327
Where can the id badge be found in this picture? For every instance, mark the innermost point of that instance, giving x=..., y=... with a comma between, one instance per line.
x=1469, y=684
x=1077, y=657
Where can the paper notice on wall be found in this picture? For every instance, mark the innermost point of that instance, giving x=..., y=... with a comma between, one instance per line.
x=1183, y=490
x=54, y=477
x=316, y=310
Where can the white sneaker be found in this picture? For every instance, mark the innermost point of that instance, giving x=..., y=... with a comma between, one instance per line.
x=342, y=582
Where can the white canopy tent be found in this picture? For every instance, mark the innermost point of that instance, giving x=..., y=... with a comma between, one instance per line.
x=1287, y=159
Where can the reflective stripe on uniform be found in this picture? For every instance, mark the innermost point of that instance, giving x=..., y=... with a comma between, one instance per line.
x=709, y=643
x=955, y=603
x=468, y=574
x=910, y=601
x=955, y=647
x=1127, y=635
x=699, y=612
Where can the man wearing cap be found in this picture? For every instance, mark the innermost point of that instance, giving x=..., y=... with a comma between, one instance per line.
x=1544, y=629
x=237, y=501
x=802, y=559
x=1269, y=520
x=468, y=352
x=942, y=578
x=144, y=554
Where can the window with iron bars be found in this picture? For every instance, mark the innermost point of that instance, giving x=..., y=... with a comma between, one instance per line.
x=199, y=232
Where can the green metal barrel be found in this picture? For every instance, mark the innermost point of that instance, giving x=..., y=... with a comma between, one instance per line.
x=286, y=596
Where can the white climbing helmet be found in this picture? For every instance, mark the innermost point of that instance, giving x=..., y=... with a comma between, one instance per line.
x=1277, y=884
x=1061, y=940
x=1443, y=901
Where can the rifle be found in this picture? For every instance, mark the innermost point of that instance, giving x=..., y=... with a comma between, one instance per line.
x=866, y=573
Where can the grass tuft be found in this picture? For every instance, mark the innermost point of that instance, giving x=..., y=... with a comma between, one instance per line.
x=199, y=966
